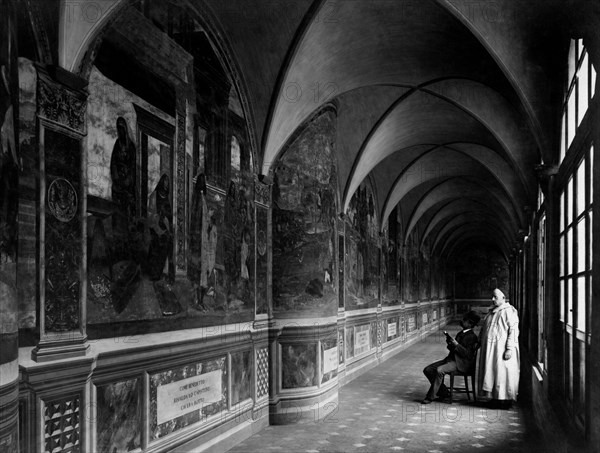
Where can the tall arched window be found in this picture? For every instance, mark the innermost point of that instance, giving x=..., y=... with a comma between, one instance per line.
x=575, y=181
x=580, y=89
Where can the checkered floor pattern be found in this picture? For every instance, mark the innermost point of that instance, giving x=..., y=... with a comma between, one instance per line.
x=381, y=411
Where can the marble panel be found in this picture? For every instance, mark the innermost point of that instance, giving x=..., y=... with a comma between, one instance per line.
x=349, y=342
x=374, y=334
x=118, y=415
x=242, y=372
x=299, y=365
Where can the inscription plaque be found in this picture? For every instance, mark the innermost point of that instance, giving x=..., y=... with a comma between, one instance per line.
x=361, y=339
x=188, y=395
x=330, y=360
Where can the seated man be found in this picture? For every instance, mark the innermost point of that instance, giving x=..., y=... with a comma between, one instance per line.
x=461, y=357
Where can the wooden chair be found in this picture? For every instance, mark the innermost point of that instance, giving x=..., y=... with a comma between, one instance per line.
x=467, y=375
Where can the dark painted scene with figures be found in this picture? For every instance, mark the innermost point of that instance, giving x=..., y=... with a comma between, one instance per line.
x=170, y=235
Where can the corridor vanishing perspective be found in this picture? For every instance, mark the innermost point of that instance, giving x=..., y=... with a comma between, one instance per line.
x=381, y=410
x=218, y=217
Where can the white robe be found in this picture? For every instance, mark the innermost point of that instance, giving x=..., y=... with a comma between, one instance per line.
x=499, y=378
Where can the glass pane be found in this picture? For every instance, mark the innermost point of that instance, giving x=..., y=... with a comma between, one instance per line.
x=593, y=88
x=592, y=174
x=589, y=298
x=563, y=137
x=570, y=301
x=571, y=116
x=581, y=245
x=569, y=251
x=583, y=93
x=591, y=236
x=562, y=255
x=562, y=300
x=572, y=60
x=569, y=206
x=580, y=195
x=581, y=299
x=562, y=212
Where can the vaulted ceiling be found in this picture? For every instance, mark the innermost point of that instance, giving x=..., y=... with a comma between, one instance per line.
x=447, y=105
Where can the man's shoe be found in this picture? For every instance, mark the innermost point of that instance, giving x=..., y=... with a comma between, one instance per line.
x=427, y=401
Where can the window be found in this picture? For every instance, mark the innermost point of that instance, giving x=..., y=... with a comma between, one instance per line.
x=580, y=88
x=575, y=227
x=575, y=276
x=541, y=294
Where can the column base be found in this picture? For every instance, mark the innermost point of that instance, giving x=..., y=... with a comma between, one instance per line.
x=48, y=349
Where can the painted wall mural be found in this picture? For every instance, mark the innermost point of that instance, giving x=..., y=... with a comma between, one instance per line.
x=341, y=268
x=392, y=296
x=132, y=201
x=9, y=198
x=262, y=269
x=362, y=250
x=304, y=222
x=425, y=271
x=479, y=271
x=413, y=265
x=28, y=148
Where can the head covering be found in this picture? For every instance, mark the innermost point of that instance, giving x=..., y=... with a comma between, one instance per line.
x=473, y=318
x=498, y=292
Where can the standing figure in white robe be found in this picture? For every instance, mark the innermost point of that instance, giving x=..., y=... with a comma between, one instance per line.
x=499, y=358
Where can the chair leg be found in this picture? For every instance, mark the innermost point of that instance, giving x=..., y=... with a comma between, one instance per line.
x=451, y=386
x=473, y=385
x=467, y=388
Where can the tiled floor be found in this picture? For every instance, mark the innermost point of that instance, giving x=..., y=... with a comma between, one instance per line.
x=381, y=411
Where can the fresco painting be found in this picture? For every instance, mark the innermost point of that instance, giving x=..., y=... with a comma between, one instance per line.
x=262, y=269
x=425, y=271
x=413, y=264
x=362, y=251
x=478, y=271
x=304, y=213
x=131, y=202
